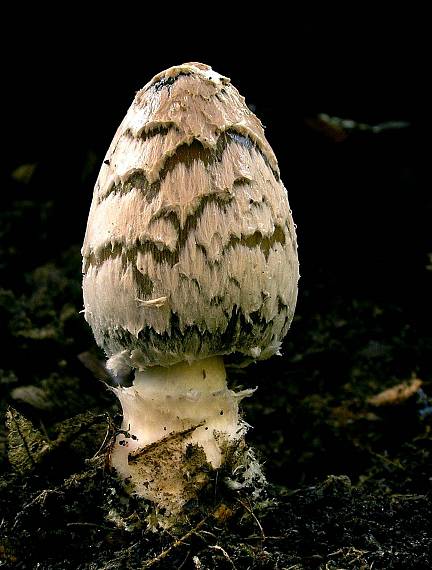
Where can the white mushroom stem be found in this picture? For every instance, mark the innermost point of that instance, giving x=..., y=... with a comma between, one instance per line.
x=164, y=401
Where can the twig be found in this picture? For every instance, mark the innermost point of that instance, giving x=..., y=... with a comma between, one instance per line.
x=184, y=561
x=209, y=533
x=257, y=537
x=225, y=553
x=216, y=484
x=109, y=428
x=38, y=500
x=250, y=511
x=173, y=546
x=112, y=564
x=89, y=524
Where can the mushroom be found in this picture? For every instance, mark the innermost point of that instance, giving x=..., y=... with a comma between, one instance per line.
x=190, y=264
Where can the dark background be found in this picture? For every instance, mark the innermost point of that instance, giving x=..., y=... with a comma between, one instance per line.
x=362, y=205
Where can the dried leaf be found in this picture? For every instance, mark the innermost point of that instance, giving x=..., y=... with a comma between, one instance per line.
x=96, y=366
x=68, y=430
x=27, y=445
x=397, y=394
x=24, y=173
x=33, y=396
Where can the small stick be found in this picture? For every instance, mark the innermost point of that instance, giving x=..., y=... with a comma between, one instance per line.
x=89, y=524
x=250, y=511
x=109, y=428
x=173, y=546
x=225, y=553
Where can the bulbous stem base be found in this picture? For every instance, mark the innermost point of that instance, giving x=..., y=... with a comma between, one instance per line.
x=179, y=424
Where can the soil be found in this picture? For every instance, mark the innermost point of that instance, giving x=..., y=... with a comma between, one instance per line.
x=349, y=464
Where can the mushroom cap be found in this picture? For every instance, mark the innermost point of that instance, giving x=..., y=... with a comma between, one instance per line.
x=190, y=249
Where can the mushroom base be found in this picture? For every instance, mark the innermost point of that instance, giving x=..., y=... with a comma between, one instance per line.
x=179, y=424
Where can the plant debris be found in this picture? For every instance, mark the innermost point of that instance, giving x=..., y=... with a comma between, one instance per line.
x=396, y=394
